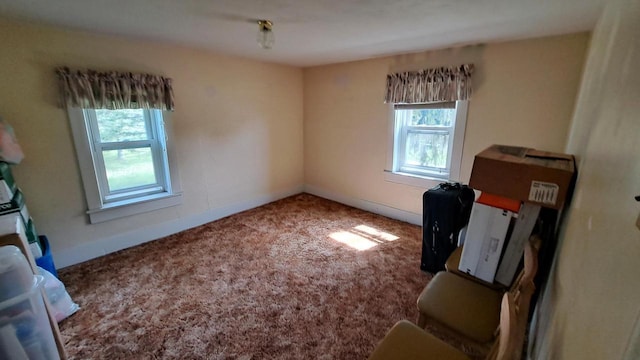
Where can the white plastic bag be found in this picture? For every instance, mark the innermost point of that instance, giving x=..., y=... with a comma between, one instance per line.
x=61, y=304
x=10, y=150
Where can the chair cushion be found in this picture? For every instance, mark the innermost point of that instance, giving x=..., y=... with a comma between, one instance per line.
x=463, y=305
x=406, y=341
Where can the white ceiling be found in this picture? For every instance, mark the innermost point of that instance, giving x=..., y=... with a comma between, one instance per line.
x=314, y=32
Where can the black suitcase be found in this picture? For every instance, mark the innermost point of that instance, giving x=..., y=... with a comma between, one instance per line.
x=445, y=210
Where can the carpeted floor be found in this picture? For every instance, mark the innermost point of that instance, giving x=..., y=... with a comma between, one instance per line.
x=300, y=278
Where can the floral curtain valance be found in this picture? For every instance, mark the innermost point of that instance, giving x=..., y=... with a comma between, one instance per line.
x=114, y=90
x=430, y=85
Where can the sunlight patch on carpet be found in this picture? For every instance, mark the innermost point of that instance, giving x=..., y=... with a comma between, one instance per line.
x=376, y=233
x=353, y=240
x=362, y=237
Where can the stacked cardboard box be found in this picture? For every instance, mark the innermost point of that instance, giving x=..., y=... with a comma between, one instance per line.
x=538, y=177
x=13, y=207
x=486, y=234
x=510, y=175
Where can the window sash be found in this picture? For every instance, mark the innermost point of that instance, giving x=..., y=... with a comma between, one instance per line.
x=403, y=130
x=423, y=169
x=428, y=129
x=155, y=142
x=435, y=105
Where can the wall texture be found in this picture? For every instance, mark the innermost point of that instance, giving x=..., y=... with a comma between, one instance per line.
x=237, y=141
x=524, y=94
x=592, y=302
x=236, y=134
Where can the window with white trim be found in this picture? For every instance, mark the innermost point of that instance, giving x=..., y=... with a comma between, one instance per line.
x=123, y=161
x=428, y=138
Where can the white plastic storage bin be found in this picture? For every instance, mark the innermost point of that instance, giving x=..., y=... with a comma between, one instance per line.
x=16, y=277
x=25, y=332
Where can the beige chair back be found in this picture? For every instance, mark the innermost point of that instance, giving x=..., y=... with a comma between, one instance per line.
x=514, y=312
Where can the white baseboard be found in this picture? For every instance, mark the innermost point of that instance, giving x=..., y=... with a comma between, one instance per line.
x=366, y=205
x=104, y=246
x=101, y=247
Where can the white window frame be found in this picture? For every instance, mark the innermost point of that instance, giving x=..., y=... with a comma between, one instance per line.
x=397, y=171
x=103, y=204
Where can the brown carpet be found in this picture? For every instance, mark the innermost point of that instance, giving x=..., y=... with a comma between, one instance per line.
x=275, y=282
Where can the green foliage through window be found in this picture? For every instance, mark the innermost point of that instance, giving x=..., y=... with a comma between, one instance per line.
x=432, y=117
x=425, y=136
x=127, y=165
x=122, y=125
x=129, y=168
x=427, y=149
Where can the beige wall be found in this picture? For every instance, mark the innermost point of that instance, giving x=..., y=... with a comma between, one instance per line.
x=237, y=135
x=236, y=132
x=592, y=303
x=524, y=93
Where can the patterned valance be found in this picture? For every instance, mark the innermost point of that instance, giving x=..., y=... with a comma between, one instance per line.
x=430, y=85
x=114, y=90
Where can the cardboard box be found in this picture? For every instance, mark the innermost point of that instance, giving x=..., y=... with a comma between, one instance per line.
x=16, y=209
x=483, y=244
x=7, y=185
x=16, y=205
x=29, y=228
x=524, y=174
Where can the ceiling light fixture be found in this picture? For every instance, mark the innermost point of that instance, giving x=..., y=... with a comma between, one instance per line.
x=266, y=39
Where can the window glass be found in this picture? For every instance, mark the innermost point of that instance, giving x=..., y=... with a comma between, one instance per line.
x=427, y=149
x=129, y=157
x=424, y=138
x=129, y=168
x=431, y=117
x=122, y=125
x=425, y=142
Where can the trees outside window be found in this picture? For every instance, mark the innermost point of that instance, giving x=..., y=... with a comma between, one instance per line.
x=424, y=138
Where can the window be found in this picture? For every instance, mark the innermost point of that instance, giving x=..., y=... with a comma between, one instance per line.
x=123, y=161
x=129, y=152
x=427, y=139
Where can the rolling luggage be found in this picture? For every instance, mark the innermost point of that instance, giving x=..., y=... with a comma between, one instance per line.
x=446, y=210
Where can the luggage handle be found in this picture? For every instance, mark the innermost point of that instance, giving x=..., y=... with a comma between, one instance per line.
x=450, y=186
x=434, y=230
